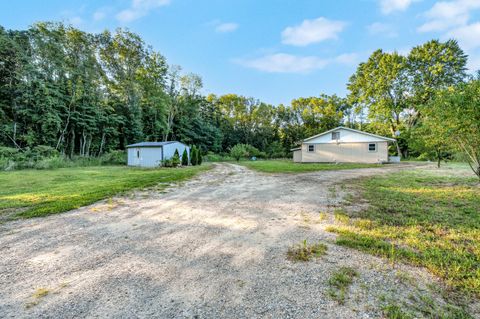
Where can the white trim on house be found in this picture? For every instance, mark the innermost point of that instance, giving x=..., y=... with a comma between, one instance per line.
x=352, y=130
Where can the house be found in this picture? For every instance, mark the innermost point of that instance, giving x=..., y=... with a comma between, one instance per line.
x=343, y=144
x=151, y=154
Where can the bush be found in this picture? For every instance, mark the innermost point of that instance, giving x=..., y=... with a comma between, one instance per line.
x=185, y=157
x=8, y=152
x=114, y=158
x=53, y=162
x=40, y=152
x=193, y=156
x=253, y=151
x=176, y=159
x=199, y=157
x=276, y=150
x=239, y=151
x=212, y=157
x=167, y=163
x=7, y=164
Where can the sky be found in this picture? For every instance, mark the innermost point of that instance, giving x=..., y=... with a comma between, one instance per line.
x=272, y=50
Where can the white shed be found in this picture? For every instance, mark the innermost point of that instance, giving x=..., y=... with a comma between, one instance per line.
x=151, y=154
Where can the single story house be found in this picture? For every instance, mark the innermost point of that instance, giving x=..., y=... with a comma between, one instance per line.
x=343, y=144
x=152, y=154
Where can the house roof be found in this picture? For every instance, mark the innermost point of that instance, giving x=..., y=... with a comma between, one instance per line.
x=352, y=130
x=151, y=144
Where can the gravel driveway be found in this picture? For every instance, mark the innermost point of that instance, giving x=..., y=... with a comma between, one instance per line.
x=213, y=247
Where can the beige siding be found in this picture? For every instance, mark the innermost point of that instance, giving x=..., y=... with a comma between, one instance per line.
x=297, y=156
x=345, y=152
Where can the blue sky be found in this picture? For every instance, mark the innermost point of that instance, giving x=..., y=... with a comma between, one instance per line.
x=273, y=50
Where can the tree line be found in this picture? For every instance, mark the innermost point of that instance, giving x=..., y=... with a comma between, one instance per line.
x=86, y=94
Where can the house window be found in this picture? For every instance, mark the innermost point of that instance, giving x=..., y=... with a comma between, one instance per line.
x=335, y=135
x=311, y=148
x=372, y=147
x=138, y=153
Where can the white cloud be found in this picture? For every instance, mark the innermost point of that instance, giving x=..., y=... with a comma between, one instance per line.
x=447, y=14
x=312, y=31
x=99, y=15
x=382, y=29
x=474, y=62
x=390, y=6
x=140, y=8
x=468, y=36
x=285, y=63
x=452, y=19
x=347, y=59
x=226, y=27
x=288, y=63
x=75, y=21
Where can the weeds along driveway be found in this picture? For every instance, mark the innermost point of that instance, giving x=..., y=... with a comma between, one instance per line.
x=213, y=247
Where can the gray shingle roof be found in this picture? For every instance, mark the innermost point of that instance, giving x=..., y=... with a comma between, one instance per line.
x=150, y=144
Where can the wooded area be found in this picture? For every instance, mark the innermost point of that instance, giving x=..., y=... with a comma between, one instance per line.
x=85, y=94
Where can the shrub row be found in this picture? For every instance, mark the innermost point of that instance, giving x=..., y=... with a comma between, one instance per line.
x=46, y=157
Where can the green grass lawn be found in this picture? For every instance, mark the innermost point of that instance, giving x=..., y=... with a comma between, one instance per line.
x=288, y=166
x=33, y=193
x=424, y=217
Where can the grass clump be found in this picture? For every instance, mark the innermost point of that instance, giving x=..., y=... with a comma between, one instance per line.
x=288, y=166
x=34, y=193
x=305, y=252
x=340, y=215
x=339, y=283
x=393, y=311
x=421, y=305
x=423, y=218
x=37, y=296
x=40, y=293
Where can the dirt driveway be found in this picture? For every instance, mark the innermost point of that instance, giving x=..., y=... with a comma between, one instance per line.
x=213, y=247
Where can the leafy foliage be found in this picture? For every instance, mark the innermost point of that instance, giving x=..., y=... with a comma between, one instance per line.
x=239, y=151
x=193, y=155
x=199, y=157
x=185, y=158
x=454, y=115
x=176, y=159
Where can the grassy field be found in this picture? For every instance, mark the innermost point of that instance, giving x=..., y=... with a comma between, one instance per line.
x=428, y=218
x=287, y=166
x=33, y=193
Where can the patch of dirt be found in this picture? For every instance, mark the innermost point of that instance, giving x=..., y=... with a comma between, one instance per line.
x=213, y=247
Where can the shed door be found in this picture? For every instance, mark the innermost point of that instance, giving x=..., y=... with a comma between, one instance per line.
x=137, y=157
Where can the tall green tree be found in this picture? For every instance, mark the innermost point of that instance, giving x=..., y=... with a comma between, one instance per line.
x=381, y=84
x=434, y=66
x=457, y=112
x=185, y=158
x=318, y=114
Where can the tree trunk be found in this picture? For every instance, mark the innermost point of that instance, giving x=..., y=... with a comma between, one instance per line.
x=89, y=143
x=102, y=142
x=438, y=159
x=15, y=131
x=72, y=143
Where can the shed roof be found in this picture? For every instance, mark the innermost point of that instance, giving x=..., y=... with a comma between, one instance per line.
x=352, y=130
x=151, y=144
